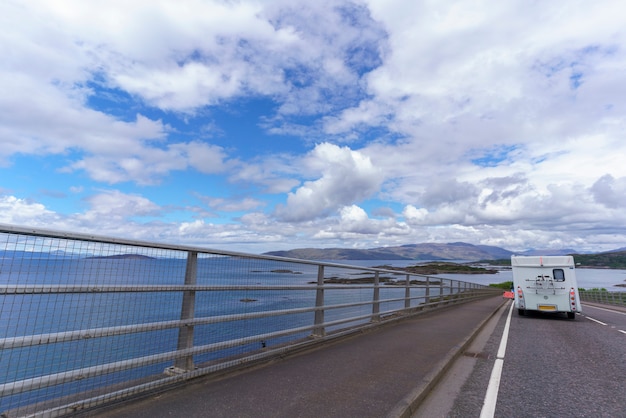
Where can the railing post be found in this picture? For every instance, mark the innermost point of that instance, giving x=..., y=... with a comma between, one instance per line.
x=319, y=330
x=407, y=293
x=441, y=297
x=185, y=333
x=376, y=300
x=427, y=293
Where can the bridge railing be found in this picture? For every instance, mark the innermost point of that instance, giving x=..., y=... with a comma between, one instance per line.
x=87, y=320
x=603, y=296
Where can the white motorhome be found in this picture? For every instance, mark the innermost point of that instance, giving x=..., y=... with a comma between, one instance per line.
x=546, y=284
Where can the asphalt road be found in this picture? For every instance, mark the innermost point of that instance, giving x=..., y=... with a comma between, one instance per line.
x=553, y=367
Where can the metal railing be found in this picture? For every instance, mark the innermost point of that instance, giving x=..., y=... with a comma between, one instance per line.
x=87, y=320
x=603, y=297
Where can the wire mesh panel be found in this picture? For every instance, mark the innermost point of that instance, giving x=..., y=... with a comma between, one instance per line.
x=603, y=296
x=85, y=320
x=264, y=296
x=57, y=294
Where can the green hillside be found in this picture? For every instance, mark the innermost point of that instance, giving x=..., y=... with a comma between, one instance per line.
x=614, y=260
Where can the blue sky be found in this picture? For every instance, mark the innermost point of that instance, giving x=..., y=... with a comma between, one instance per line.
x=257, y=126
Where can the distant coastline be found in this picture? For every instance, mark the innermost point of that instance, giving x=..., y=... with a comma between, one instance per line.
x=442, y=267
x=454, y=258
x=121, y=257
x=450, y=252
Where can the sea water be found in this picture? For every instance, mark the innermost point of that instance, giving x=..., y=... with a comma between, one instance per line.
x=22, y=315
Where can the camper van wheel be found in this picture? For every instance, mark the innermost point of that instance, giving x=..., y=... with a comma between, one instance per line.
x=571, y=315
x=521, y=312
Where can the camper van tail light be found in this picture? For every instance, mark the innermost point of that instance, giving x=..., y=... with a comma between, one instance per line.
x=572, y=297
x=520, y=297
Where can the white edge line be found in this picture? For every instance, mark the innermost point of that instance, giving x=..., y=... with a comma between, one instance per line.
x=491, y=397
x=622, y=331
x=505, y=335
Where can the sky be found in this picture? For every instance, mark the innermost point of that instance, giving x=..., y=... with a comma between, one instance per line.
x=255, y=126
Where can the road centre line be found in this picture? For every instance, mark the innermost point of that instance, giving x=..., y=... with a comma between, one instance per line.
x=491, y=397
x=602, y=323
x=594, y=320
x=604, y=309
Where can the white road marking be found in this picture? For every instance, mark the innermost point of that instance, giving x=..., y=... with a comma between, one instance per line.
x=595, y=320
x=602, y=323
x=491, y=397
x=604, y=309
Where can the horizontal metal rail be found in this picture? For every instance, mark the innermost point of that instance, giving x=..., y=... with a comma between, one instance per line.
x=603, y=296
x=79, y=374
x=85, y=289
x=84, y=373
x=58, y=337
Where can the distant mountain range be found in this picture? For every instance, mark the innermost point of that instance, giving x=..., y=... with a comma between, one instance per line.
x=55, y=255
x=425, y=251
x=455, y=251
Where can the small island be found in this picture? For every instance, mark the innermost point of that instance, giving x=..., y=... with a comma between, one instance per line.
x=370, y=279
x=120, y=257
x=441, y=267
x=426, y=269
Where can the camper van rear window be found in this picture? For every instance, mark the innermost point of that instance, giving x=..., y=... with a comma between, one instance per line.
x=559, y=275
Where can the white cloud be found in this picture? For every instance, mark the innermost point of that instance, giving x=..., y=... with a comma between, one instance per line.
x=610, y=192
x=276, y=173
x=414, y=216
x=114, y=206
x=176, y=58
x=149, y=164
x=20, y=211
x=355, y=219
x=499, y=123
x=463, y=76
x=231, y=205
x=200, y=53
x=347, y=177
x=459, y=93
x=205, y=158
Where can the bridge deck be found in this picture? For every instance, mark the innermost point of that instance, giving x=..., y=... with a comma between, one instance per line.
x=374, y=374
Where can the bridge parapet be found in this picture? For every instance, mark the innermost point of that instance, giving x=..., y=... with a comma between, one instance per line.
x=87, y=320
x=602, y=296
